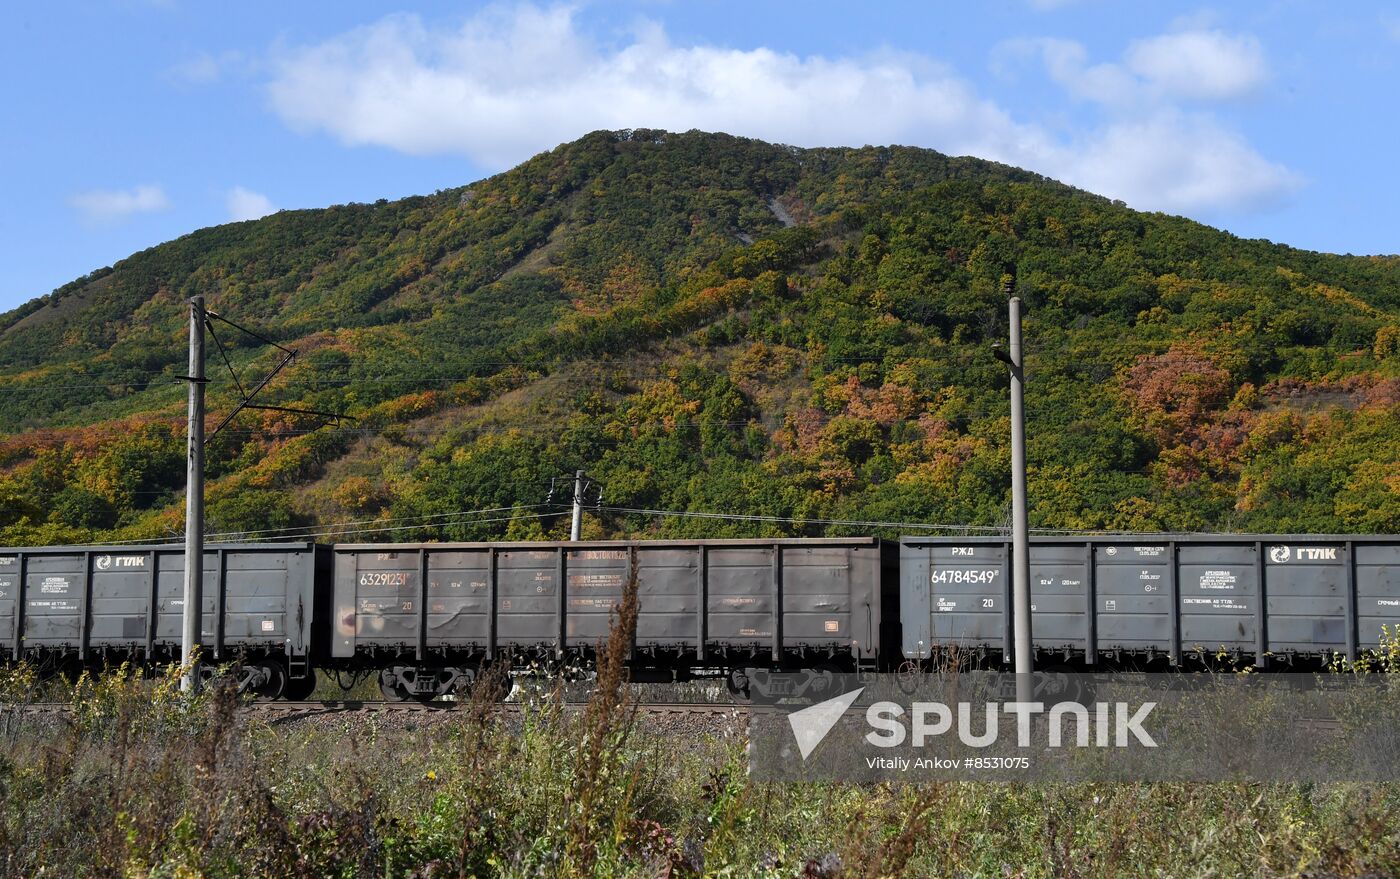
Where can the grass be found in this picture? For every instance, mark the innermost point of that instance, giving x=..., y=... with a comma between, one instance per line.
x=140, y=781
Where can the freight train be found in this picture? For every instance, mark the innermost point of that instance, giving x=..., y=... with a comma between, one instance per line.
x=427, y=618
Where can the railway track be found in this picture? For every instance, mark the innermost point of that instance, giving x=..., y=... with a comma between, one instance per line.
x=281, y=711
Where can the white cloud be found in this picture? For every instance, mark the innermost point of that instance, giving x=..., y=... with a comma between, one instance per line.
x=508, y=84
x=1067, y=64
x=504, y=87
x=1149, y=151
x=1193, y=65
x=1200, y=65
x=109, y=205
x=245, y=204
x=1180, y=163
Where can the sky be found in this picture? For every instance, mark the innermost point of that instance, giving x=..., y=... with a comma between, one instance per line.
x=126, y=123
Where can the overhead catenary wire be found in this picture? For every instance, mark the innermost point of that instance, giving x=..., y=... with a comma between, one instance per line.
x=237, y=382
x=461, y=517
x=390, y=431
x=994, y=530
x=445, y=519
x=397, y=429
x=164, y=381
x=344, y=533
x=335, y=528
x=794, y=520
x=292, y=529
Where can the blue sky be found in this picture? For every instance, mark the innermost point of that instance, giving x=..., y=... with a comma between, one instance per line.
x=131, y=122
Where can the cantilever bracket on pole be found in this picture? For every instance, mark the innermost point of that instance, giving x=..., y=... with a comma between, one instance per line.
x=249, y=396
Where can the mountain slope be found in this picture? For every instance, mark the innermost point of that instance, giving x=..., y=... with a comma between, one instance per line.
x=708, y=323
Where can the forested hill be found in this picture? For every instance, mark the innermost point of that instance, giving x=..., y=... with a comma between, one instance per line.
x=716, y=325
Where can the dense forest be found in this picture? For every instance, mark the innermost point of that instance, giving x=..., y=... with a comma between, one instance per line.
x=708, y=324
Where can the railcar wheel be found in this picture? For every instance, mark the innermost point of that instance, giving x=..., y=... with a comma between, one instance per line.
x=391, y=690
x=275, y=683
x=463, y=684
x=823, y=680
x=908, y=676
x=738, y=683
x=1061, y=683
x=299, y=689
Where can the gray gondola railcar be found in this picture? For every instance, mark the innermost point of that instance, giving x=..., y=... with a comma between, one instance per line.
x=445, y=609
x=1246, y=595
x=80, y=606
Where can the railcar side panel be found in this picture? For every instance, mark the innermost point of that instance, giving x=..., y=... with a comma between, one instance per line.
x=1133, y=597
x=170, y=598
x=827, y=595
x=1219, y=590
x=1059, y=575
x=262, y=601
x=1306, y=596
x=9, y=602
x=915, y=601
x=964, y=588
x=1377, y=592
x=594, y=583
x=459, y=603
x=743, y=583
x=54, y=593
x=528, y=603
x=669, y=590
x=376, y=600
x=120, y=598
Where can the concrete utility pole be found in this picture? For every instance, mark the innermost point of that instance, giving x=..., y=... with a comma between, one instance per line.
x=194, y=502
x=576, y=528
x=1020, y=545
x=1020, y=528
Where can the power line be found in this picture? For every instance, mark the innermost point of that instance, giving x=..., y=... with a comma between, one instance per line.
x=344, y=529
x=343, y=533
x=289, y=530
x=341, y=528
x=993, y=530
x=688, y=423
x=797, y=520
x=166, y=381
x=116, y=429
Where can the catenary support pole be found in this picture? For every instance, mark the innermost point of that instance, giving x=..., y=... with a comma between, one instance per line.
x=194, y=503
x=1020, y=547
x=576, y=527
